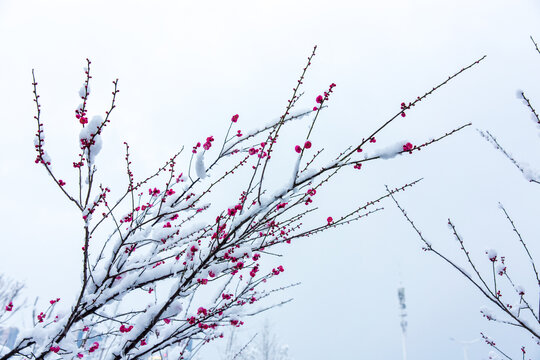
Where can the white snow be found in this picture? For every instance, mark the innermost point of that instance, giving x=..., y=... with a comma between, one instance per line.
x=89, y=131
x=391, y=151
x=84, y=92
x=200, y=168
x=491, y=253
x=520, y=289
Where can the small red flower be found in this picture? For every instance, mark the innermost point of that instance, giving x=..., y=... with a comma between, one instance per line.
x=234, y=118
x=407, y=147
x=202, y=310
x=307, y=145
x=94, y=347
x=298, y=149
x=125, y=329
x=319, y=99
x=281, y=206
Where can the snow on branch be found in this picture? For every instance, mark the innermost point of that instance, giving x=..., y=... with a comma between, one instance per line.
x=177, y=267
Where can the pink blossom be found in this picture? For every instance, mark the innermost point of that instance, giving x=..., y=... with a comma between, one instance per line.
x=307, y=145
x=407, y=147
x=237, y=323
x=202, y=310
x=94, y=347
x=329, y=220
x=298, y=149
x=125, y=329
x=281, y=206
x=234, y=118
x=208, y=144
x=319, y=99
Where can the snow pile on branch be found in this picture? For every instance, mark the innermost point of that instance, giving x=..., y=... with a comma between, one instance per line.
x=90, y=138
x=200, y=168
x=391, y=151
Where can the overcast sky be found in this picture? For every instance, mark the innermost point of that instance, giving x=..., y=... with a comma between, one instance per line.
x=186, y=67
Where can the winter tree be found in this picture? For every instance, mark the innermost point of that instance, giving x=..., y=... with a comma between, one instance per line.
x=10, y=291
x=167, y=266
x=264, y=345
x=510, y=304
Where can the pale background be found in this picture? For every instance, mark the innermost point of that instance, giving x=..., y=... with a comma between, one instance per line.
x=186, y=67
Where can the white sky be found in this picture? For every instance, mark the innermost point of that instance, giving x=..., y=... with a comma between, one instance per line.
x=186, y=67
